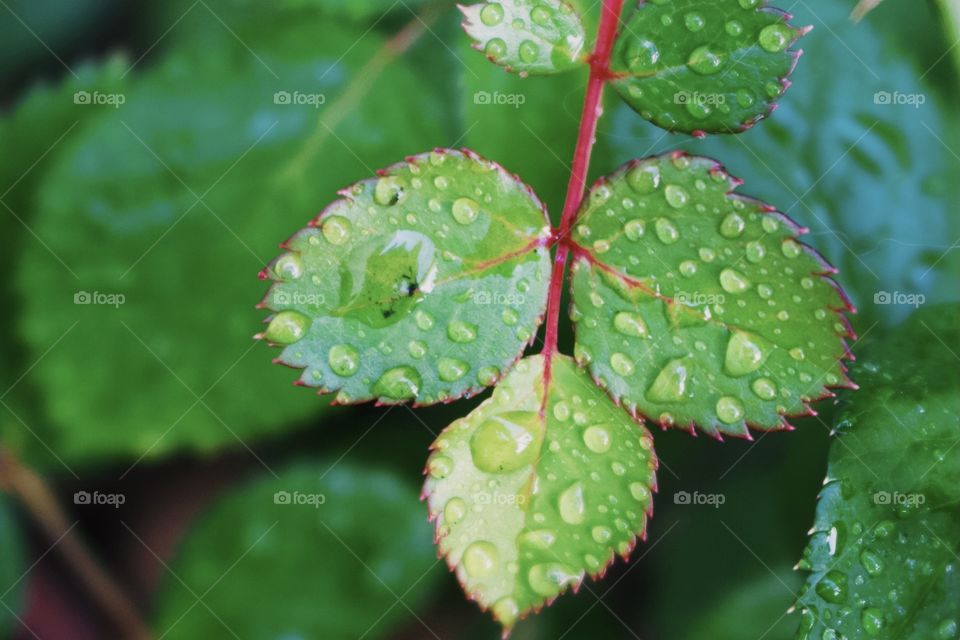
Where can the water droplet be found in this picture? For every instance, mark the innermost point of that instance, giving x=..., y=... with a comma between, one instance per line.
x=729, y=409
x=480, y=559
x=417, y=348
x=529, y=51
x=755, y=251
x=622, y=364
x=454, y=511
x=676, y=196
x=336, y=229
x=634, y=229
x=947, y=629
x=694, y=22
x=744, y=354
x=549, y=578
x=733, y=281
x=791, y=248
x=573, y=508
x=561, y=411
x=833, y=587
x=491, y=14
x=764, y=388
x=775, y=37
x=451, y=369
x=601, y=246
x=749, y=4
x=541, y=15
x=704, y=61
x=424, y=320
x=745, y=98
x=510, y=317
x=287, y=327
x=506, y=611
x=732, y=225
x=389, y=190
x=506, y=442
x=797, y=353
x=871, y=562
x=641, y=56
x=688, y=268
x=597, y=438
x=733, y=27
x=764, y=291
x=496, y=48
x=488, y=375
x=343, y=359
x=440, y=466
x=601, y=534
x=630, y=324
x=644, y=178
x=666, y=232
x=670, y=384
x=465, y=210
x=462, y=331
x=706, y=254
x=872, y=621
x=398, y=383
x=289, y=266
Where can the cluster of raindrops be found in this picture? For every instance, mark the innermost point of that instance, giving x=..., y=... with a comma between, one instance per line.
x=656, y=83
x=572, y=525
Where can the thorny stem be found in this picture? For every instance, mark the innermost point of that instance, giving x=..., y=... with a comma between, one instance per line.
x=599, y=75
x=45, y=512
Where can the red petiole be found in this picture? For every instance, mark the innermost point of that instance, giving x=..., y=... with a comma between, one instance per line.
x=599, y=75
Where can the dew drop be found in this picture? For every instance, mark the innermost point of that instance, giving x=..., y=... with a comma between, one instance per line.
x=491, y=14
x=704, y=61
x=480, y=559
x=389, y=191
x=451, y=369
x=764, y=388
x=398, y=383
x=732, y=226
x=343, y=359
x=454, y=511
x=440, y=466
x=529, y=51
x=676, y=196
x=634, y=229
x=549, y=578
x=694, y=22
x=871, y=562
x=417, y=348
x=336, y=229
x=287, y=327
x=641, y=56
x=755, y=251
x=424, y=320
x=688, y=268
x=666, y=231
x=597, y=439
x=496, y=48
x=833, y=587
x=733, y=281
x=670, y=384
x=462, y=331
x=791, y=248
x=729, y=409
x=775, y=37
x=744, y=354
x=622, y=364
x=601, y=534
x=572, y=506
x=289, y=266
x=644, y=178
x=733, y=27
x=506, y=611
x=630, y=324
x=465, y=210
x=506, y=441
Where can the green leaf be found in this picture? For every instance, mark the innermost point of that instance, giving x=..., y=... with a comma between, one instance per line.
x=527, y=36
x=425, y=283
x=202, y=121
x=695, y=305
x=704, y=65
x=324, y=551
x=541, y=484
x=883, y=552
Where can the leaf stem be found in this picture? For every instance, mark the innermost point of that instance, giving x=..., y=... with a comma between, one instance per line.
x=576, y=186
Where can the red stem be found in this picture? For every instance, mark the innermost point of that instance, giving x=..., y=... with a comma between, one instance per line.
x=599, y=74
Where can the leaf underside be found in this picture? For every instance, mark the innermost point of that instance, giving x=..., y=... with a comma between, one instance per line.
x=883, y=553
x=527, y=36
x=697, y=306
x=539, y=486
x=423, y=284
x=704, y=65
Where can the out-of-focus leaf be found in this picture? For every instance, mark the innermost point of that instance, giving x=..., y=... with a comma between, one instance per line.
x=883, y=551
x=527, y=36
x=12, y=566
x=330, y=550
x=697, y=306
x=755, y=609
x=173, y=200
x=704, y=65
x=424, y=284
x=852, y=155
x=540, y=486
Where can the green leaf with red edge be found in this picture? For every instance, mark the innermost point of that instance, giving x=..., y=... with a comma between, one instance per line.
x=541, y=485
x=704, y=66
x=528, y=36
x=425, y=283
x=697, y=306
